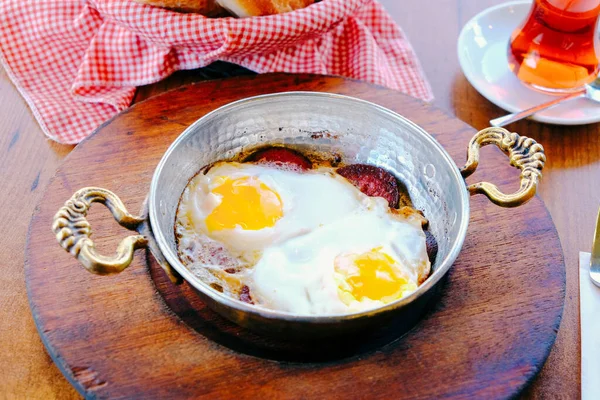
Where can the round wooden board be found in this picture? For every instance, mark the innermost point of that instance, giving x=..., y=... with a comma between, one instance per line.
x=135, y=335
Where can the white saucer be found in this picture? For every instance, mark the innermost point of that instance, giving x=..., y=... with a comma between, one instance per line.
x=482, y=52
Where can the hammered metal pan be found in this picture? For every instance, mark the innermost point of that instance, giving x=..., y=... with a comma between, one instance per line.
x=359, y=131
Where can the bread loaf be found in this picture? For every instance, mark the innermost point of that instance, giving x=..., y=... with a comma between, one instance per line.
x=252, y=8
x=239, y=8
x=208, y=8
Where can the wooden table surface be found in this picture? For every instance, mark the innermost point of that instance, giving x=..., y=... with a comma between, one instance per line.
x=28, y=160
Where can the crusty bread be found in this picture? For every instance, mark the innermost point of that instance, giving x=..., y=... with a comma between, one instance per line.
x=239, y=8
x=251, y=8
x=205, y=7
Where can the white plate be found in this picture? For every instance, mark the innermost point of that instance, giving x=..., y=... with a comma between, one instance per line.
x=482, y=52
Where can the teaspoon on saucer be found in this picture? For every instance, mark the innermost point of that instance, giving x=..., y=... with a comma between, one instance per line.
x=590, y=91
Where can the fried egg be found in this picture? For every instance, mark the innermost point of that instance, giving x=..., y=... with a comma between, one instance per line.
x=370, y=258
x=310, y=242
x=248, y=207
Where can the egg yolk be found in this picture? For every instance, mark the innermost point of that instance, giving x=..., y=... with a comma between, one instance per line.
x=246, y=202
x=372, y=275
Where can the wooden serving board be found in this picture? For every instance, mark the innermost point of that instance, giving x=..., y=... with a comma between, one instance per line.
x=136, y=335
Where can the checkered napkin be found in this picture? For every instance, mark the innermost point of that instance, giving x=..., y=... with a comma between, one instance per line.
x=77, y=63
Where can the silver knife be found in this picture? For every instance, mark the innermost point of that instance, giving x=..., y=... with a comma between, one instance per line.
x=595, y=259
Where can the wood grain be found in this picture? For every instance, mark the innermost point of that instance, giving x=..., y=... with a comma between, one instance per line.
x=486, y=337
x=568, y=190
x=27, y=161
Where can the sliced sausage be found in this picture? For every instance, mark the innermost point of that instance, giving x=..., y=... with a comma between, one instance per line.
x=372, y=181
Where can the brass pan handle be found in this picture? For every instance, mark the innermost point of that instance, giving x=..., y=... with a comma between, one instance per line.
x=523, y=152
x=73, y=231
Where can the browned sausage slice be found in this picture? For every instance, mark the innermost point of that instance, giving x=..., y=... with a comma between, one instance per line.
x=282, y=157
x=373, y=181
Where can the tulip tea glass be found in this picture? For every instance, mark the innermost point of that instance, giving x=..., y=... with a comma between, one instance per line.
x=556, y=48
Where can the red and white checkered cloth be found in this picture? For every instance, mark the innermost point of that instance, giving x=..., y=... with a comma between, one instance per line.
x=77, y=63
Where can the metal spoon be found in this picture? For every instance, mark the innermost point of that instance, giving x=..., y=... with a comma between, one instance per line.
x=591, y=91
x=595, y=260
